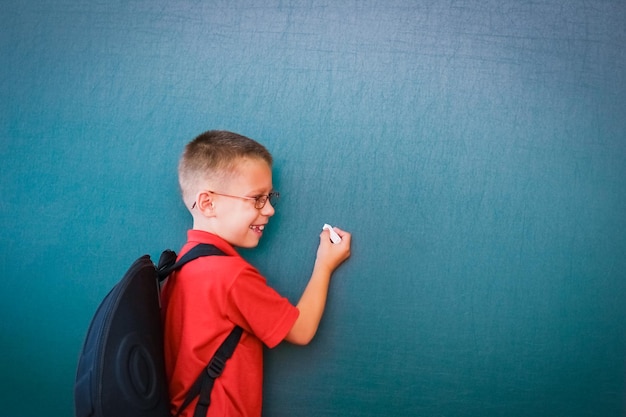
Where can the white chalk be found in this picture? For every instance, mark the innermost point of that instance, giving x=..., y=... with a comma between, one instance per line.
x=334, y=237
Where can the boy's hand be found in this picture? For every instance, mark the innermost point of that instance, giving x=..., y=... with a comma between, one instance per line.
x=331, y=255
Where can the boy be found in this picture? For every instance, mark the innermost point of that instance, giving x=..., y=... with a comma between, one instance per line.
x=226, y=182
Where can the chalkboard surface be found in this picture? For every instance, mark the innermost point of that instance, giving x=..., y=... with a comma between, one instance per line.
x=475, y=150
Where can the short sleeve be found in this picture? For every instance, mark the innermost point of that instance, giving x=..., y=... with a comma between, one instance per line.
x=259, y=309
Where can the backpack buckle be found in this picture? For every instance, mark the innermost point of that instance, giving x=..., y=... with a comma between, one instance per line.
x=215, y=367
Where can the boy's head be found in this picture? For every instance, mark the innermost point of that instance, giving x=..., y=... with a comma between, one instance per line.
x=213, y=158
x=224, y=178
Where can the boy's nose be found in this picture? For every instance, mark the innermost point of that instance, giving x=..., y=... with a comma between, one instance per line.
x=268, y=209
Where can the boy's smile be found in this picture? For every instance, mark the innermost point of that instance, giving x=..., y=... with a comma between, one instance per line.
x=258, y=229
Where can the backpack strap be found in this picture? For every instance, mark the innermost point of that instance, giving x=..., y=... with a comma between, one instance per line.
x=203, y=385
x=205, y=381
x=168, y=264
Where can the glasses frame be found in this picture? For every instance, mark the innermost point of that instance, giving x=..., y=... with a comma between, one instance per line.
x=259, y=200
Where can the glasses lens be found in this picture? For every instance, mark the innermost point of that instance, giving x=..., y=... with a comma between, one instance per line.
x=262, y=199
x=273, y=196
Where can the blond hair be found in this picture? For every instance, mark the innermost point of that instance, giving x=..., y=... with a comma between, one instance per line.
x=211, y=157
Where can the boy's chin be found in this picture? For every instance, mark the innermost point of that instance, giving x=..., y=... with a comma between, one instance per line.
x=247, y=245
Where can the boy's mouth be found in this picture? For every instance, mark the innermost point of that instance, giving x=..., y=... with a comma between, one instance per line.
x=258, y=228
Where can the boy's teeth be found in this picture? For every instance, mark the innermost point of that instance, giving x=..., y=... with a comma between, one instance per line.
x=257, y=227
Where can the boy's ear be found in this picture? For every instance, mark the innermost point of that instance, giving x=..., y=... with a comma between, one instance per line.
x=204, y=204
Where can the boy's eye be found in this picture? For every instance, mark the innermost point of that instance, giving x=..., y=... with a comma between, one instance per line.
x=260, y=200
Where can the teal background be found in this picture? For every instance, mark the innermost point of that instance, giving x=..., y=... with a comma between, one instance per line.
x=476, y=151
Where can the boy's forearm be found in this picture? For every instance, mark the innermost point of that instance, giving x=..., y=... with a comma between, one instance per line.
x=313, y=300
x=311, y=306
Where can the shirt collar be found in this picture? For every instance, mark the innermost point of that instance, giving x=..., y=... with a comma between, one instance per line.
x=195, y=236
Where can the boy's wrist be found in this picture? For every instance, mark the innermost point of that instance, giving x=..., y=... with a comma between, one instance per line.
x=322, y=269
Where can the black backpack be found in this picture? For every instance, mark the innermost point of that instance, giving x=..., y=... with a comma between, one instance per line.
x=121, y=370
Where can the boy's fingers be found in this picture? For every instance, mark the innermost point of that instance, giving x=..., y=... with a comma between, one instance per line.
x=342, y=233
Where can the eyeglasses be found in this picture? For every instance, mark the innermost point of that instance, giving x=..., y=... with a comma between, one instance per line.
x=259, y=200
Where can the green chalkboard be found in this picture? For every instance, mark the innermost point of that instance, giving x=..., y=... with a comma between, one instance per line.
x=475, y=150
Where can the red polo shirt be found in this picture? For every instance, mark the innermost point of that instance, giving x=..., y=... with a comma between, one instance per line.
x=201, y=304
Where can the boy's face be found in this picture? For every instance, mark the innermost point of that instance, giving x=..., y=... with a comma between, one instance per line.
x=236, y=220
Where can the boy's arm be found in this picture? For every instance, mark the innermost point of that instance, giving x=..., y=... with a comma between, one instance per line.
x=313, y=300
